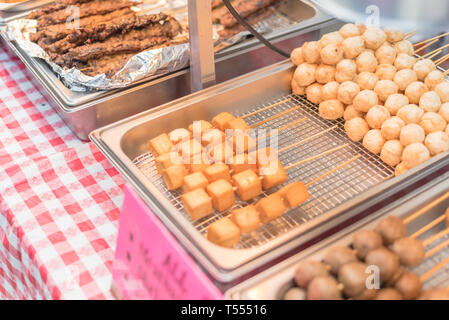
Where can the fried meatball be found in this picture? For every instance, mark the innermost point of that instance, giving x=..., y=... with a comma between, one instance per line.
x=374, y=37
x=437, y=142
x=386, y=71
x=331, y=109
x=346, y=70
x=404, y=61
x=296, y=56
x=385, y=260
x=400, y=169
x=430, y=101
x=296, y=89
x=391, y=128
x=356, y=128
x=313, y=93
x=329, y=90
x=324, y=73
x=374, y=141
x=324, y=288
x=433, y=78
x=389, y=294
x=386, y=54
x=366, y=61
x=351, y=113
x=376, y=116
x=423, y=68
x=391, y=152
x=410, y=251
x=411, y=133
x=353, y=277
x=410, y=113
x=444, y=111
x=332, y=54
x=347, y=92
x=385, y=88
x=414, y=91
x=432, y=122
x=367, y=80
x=311, y=52
x=393, y=35
x=349, y=30
x=395, y=102
x=404, y=46
x=307, y=270
x=353, y=47
x=365, y=241
x=305, y=74
x=295, y=294
x=443, y=91
x=331, y=38
x=409, y=285
x=338, y=256
x=391, y=229
x=414, y=154
x=404, y=77
x=365, y=100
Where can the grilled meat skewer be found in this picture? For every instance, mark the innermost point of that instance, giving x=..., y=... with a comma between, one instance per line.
x=59, y=5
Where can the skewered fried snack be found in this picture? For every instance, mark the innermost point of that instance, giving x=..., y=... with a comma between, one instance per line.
x=54, y=7
x=95, y=7
x=243, y=7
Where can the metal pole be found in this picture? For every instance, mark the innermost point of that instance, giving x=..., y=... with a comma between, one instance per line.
x=202, y=62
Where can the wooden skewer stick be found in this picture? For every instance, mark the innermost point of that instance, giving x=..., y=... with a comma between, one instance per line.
x=427, y=45
x=429, y=55
x=432, y=52
x=434, y=38
x=291, y=124
x=143, y=11
x=437, y=267
x=307, y=139
x=333, y=170
x=435, y=237
x=409, y=35
x=426, y=208
x=428, y=226
x=265, y=108
x=434, y=55
x=441, y=60
x=316, y=156
x=439, y=247
x=275, y=116
x=176, y=11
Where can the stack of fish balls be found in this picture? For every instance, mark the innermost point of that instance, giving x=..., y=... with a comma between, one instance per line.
x=396, y=105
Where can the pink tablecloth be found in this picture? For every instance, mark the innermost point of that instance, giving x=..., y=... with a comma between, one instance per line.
x=59, y=200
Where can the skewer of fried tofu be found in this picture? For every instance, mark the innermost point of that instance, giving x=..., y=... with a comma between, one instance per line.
x=226, y=231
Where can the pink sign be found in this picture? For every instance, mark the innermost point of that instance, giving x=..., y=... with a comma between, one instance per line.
x=150, y=263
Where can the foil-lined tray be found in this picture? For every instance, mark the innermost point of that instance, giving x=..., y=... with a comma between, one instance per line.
x=150, y=63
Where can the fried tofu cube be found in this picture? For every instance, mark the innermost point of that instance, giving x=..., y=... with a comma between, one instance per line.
x=273, y=174
x=187, y=149
x=221, y=152
x=224, y=233
x=246, y=218
x=242, y=162
x=198, y=163
x=167, y=160
x=248, y=184
x=217, y=171
x=174, y=176
x=222, y=194
x=160, y=145
x=197, y=203
x=194, y=181
x=221, y=119
x=214, y=136
x=271, y=207
x=198, y=127
x=178, y=135
x=243, y=142
x=264, y=156
x=237, y=124
x=294, y=194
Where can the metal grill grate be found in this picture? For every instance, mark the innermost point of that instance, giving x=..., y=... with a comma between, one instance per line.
x=326, y=194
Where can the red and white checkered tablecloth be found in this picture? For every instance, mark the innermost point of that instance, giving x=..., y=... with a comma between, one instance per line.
x=60, y=200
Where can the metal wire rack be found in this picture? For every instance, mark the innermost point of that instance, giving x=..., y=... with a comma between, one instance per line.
x=328, y=193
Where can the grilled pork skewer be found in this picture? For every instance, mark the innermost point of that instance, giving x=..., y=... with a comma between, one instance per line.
x=54, y=7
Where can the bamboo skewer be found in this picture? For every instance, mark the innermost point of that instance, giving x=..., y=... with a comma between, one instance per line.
x=308, y=139
x=435, y=237
x=425, y=46
x=430, y=55
x=315, y=156
x=436, y=50
x=441, y=60
x=435, y=54
x=434, y=38
x=437, y=267
x=275, y=116
x=439, y=247
x=291, y=124
x=409, y=35
x=428, y=226
x=426, y=208
x=265, y=108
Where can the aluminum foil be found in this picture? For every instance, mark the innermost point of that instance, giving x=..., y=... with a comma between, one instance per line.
x=148, y=64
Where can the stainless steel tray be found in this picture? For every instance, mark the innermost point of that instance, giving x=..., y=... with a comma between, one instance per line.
x=271, y=283
x=341, y=195
x=86, y=111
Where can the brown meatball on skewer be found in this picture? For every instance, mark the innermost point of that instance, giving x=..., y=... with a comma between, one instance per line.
x=365, y=241
x=410, y=251
x=324, y=288
x=385, y=260
x=339, y=256
x=391, y=229
x=307, y=270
